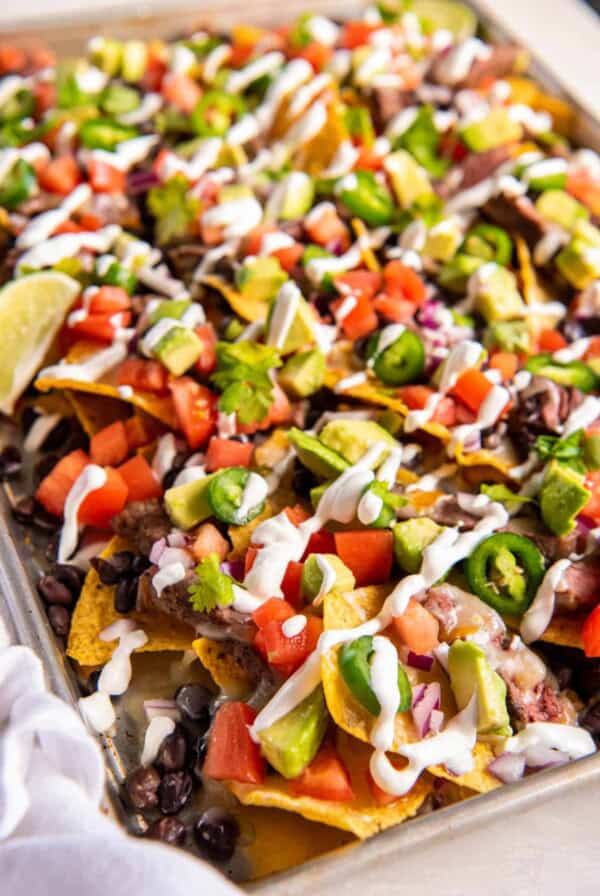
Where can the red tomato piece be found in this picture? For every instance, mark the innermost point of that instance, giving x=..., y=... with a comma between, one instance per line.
x=326, y=778
x=506, y=362
x=318, y=55
x=253, y=241
x=392, y=308
x=592, y=508
x=321, y=542
x=12, y=58
x=249, y=559
x=44, y=93
x=143, y=376
x=208, y=540
x=273, y=610
x=590, y=633
x=551, y=341
x=105, y=178
x=101, y=327
x=101, y=505
x=357, y=33
x=417, y=628
x=285, y=654
x=326, y=227
x=60, y=175
x=232, y=754
x=207, y=362
x=181, y=91
x=223, y=453
x=110, y=300
x=290, y=584
x=362, y=284
x=368, y=554
x=109, y=447
x=403, y=282
x=472, y=388
x=53, y=490
x=196, y=409
x=289, y=257
x=296, y=514
x=138, y=432
x=361, y=321
x=140, y=479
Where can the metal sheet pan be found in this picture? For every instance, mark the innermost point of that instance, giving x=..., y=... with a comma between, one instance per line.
x=23, y=613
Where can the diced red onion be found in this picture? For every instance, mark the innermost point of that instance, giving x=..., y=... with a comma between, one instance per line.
x=141, y=181
x=426, y=698
x=233, y=568
x=176, y=539
x=584, y=524
x=508, y=767
x=544, y=757
x=156, y=550
x=422, y=661
x=158, y=707
x=436, y=721
x=175, y=555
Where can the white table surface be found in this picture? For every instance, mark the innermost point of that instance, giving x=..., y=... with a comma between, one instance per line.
x=551, y=849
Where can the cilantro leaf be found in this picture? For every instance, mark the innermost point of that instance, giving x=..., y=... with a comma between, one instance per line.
x=173, y=208
x=568, y=451
x=243, y=376
x=211, y=588
x=504, y=495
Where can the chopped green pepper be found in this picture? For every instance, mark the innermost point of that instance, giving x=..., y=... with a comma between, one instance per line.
x=104, y=133
x=225, y=493
x=118, y=99
x=505, y=571
x=20, y=105
x=215, y=113
x=365, y=197
x=399, y=363
x=572, y=373
x=18, y=185
x=354, y=663
x=489, y=242
x=117, y=275
x=391, y=503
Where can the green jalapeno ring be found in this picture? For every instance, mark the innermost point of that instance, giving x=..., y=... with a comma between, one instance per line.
x=18, y=185
x=505, y=550
x=354, y=664
x=368, y=199
x=224, y=495
x=401, y=362
x=104, y=133
x=571, y=373
x=489, y=242
x=215, y=112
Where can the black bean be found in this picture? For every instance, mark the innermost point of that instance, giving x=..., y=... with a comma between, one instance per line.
x=24, y=510
x=60, y=620
x=71, y=576
x=54, y=592
x=173, y=752
x=170, y=830
x=197, y=755
x=10, y=462
x=174, y=791
x=139, y=565
x=194, y=702
x=216, y=833
x=125, y=595
x=142, y=787
x=113, y=570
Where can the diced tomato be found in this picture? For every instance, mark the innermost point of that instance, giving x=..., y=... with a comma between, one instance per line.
x=326, y=227
x=361, y=321
x=472, y=388
x=181, y=91
x=89, y=221
x=110, y=300
x=138, y=432
x=326, y=778
x=67, y=227
x=60, y=175
x=394, y=309
x=227, y=453
x=240, y=54
x=463, y=414
x=403, y=282
x=54, y=488
x=368, y=554
x=362, y=284
x=586, y=188
x=232, y=754
x=253, y=241
x=12, y=59
x=289, y=256
x=44, y=93
x=593, y=349
x=207, y=362
x=284, y=654
x=445, y=412
x=321, y=542
x=357, y=34
x=296, y=514
x=590, y=633
x=369, y=159
x=506, y=362
x=290, y=584
x=279, y=412
x=196, y=409
x=141, y=480
x=41, y=57
x=592, y=508
x=105, y=178
x=551, y=341
x=208, y=540
x=417, y=628
x=143, y=376
x=109, y=447
x=250, y=558
x=415, y=397
x=155, y=72
x=101, y=327
x=101, y=505
x=273, y=610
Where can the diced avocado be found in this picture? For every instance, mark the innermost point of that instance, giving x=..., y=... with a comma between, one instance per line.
x=470, y=672
x=173, y=308
x=562, y=496
x=178, y=349
x=312, y=576
x=456, y=272
x=135, y=59
x=317, y=493
x=232, y=192
x=259, y=279
x=411, y=537
x=409, y=180
x=442, y=241
x=187, y=505
x=353, y=438
x=292, y=197
x=107, y=55
x=392, y=422
x=497, y=295
x=496, y=129
x=303, y=374
x=508, y=335
x=291, y=743
x=579, y=263
x=316, y=456
x=117, y=99
x=300, y=331
x=561, y=208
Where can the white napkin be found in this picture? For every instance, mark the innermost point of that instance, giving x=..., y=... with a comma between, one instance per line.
x=54, y=840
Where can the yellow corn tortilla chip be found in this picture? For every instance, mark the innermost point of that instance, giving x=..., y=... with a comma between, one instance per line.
x=484, y=458
x=565, y=631
x=95, y=611
x=362, y=817
x=94, y=412
x=240, y=535
x=526, y=91
x=368, y=256
x=226, y=670
x=247, y=308
x=479, y=779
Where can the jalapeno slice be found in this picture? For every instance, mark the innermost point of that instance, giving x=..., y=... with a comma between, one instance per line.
x=571, y=373
x=18, y=185
x=505, y=571
x=365, y=197
x=490, y=243
x=117, y=99
x=215, y=113
x=354, y=664
x=225, y=495
x=117, y=275
x=104, y=133
x=399, y=363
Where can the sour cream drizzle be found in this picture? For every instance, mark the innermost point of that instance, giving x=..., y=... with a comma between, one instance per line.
x=255, y=492
x=461, y=357
x=538, y=616
x=89, y=480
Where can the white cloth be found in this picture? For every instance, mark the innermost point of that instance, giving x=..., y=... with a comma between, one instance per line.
x=54, y=841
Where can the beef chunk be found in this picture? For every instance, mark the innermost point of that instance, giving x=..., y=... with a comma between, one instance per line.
x=474, y=168
x=500, y=63
x=388, y=102
x=580, y=586
x=517, y=214
x=142, y=523
x=541, y=410
x=543, y=703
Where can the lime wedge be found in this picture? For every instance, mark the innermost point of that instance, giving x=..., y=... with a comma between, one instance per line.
x=32, y=310
x=454, y=17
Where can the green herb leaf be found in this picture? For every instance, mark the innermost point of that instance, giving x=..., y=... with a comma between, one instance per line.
x=173, y=208
x=568, y=451
x=211, y=588
x=243, y=376
x=504, y=495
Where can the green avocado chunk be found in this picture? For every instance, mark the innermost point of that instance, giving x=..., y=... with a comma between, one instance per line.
x=457, y=270
x=173, y=308
x=312, y=576
x=178, y=349
x=562, y=496
x=411, y=537
x=509, y=335
x=496, y=129
x=469, y=672
x=496, y=294
x=291, y=743
x=316, y=456
x=300, y=331
x=408, y=179
x=303, y=374
x=561, y=208
x=187, y=505
x=353, y=438
x=259, y=279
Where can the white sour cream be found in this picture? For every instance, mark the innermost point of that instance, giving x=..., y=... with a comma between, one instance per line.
x=89, y=480
x=538, y=616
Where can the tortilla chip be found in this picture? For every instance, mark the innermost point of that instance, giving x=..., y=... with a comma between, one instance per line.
x=95, y=611
x=94, y=412
x=526, y=91
x=247, y=308
x=565, y=631
x=363, y=817
x=240, y=535
x=225, y=668
x=368, y=256
x=483, y=458
x=479, y=780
